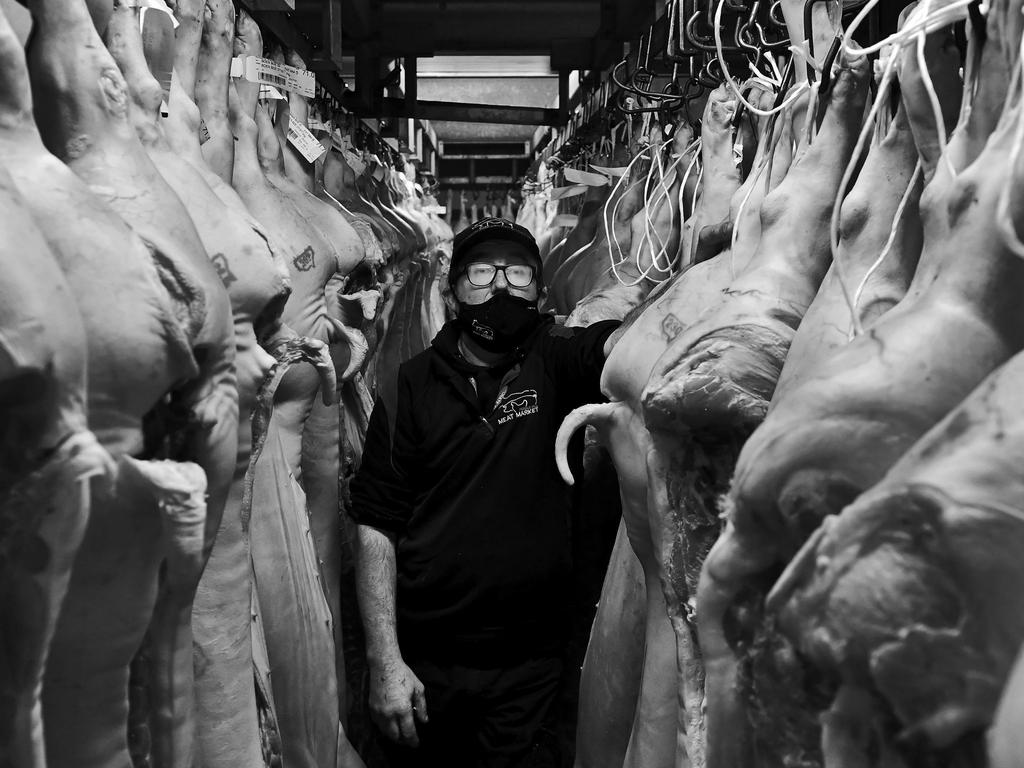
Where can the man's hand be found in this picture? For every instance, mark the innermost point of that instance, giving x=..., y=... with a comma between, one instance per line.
x=396, y=701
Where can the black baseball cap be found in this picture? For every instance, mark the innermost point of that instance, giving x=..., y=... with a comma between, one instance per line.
x=491, y=229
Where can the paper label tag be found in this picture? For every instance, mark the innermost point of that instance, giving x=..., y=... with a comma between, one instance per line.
x=440, y=210
x=304, y=141
x=566, y=220
x=269, y=72
x=204, y=132
x=561, y=192
x=270, y=92
x=614, y=172
x=587, y=179
x=156, y=5
x=157, y=31
x=354, y=161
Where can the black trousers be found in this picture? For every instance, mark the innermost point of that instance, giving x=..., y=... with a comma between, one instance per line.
x=485, y=718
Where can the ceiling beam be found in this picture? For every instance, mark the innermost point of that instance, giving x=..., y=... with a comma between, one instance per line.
x=359, y=18
x=272, y=5
x=332, y=16
x=428, y=28
x=468, y=113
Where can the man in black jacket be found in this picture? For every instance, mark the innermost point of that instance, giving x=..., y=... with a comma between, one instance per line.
x=463, y=569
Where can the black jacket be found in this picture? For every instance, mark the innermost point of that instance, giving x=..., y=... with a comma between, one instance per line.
x=474, y=496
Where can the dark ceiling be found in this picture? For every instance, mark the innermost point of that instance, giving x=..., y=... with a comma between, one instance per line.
x=576, y=34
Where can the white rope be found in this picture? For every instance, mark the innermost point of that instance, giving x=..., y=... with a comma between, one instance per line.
x=883, y=89
x=796, y=89
x=615, y=210
x=1004, y=221
x=918, y=172
x=954, y=11
x=933, y=98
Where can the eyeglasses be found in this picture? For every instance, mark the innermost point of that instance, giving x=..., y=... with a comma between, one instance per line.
x=481, y=274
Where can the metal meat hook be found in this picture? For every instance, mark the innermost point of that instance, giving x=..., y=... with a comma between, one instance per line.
x=809, y=37
x=704, y=43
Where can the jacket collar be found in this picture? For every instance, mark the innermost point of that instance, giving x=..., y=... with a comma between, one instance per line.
x=446, y=344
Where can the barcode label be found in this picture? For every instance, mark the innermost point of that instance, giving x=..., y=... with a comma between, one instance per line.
x=269, y=78
x=304, y=141
x=268, y=72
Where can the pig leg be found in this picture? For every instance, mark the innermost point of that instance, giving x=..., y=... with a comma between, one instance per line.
x=169, y=648
x=212, y=84
x=107, y=610
x=43, y=518
x=610, y=681
x=734, y=558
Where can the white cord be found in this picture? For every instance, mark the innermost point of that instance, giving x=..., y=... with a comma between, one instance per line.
x=796, y=89
x=615, y=210
x=929, y=86
x=941, y=17
x=883, y=89
x=918, y=172
x=1004, y=221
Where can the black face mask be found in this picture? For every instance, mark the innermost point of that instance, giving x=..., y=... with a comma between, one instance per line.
x=501, y=323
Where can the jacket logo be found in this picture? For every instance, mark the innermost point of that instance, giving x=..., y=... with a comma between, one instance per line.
x=515, y=405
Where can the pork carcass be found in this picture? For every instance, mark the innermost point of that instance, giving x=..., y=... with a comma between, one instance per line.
x=167, y=180
x=836, y=433
x=713, y=383
x=254, y=272
x=719, y=163
x=589, y=226
x=298, y=622
x=655, y=238
x=648, y=333
x=1005, y=740
x=570, y=274
x=47, y=455
x=212, y=86
x=909, y=598
x=320, y=459
x=139, y=349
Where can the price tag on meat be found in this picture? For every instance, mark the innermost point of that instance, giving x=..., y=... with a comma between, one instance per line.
x=304, y=141
x=157, y=27
x=156, y=5
x=267, y=72
x=355, y=162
